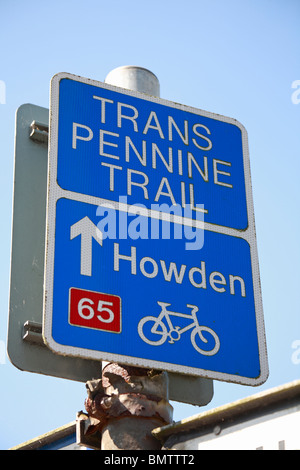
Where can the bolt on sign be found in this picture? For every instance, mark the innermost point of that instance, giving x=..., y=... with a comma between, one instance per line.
x=151, y=256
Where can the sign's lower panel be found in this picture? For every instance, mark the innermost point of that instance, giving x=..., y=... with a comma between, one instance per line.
x=183, y=302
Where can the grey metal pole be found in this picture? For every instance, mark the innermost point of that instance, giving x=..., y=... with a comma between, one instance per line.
x=134, y=78
x=132, y=401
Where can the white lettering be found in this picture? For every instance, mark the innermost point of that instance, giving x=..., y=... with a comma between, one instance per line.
x=185, y=137
x=219, y=172
x=103, y=142
x=242, y=284
x=103, y=108
x=144, y=260
x=202, y=272
x=191, y=159
x=195, y=126
x=163, y=182
x=131, y=258
x=173, y=270
x=213, y=281
x=156, y=150
x=76, y=137
x=198, y=207
x=124, y=116
x=129, y=143
x=112, y=169
x=175, y=273
x=151, y=126
x=133, y=183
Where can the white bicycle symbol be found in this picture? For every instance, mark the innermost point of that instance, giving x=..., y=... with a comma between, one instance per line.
x=159, y=328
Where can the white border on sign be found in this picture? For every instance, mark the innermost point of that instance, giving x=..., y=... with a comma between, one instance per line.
x=55, y=192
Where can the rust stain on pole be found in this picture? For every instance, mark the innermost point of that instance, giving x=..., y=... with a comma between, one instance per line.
x=126, y=405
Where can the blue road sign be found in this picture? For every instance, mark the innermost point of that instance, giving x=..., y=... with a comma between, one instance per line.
x=151, y=253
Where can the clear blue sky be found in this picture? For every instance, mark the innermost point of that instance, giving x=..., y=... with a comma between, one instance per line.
x=234, y=58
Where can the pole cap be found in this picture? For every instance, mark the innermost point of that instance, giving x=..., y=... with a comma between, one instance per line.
x=134, y=78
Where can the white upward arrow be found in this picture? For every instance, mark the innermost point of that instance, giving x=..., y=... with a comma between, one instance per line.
x=88, y=231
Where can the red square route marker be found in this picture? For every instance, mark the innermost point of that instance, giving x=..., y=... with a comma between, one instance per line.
x=94, y=310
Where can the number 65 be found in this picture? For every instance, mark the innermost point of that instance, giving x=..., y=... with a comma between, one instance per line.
x=86, y=304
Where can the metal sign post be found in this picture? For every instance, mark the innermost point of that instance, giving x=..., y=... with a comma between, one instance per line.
x=150, y=254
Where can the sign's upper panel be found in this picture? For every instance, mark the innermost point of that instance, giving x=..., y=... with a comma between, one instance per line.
x=152, y=151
